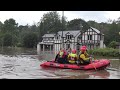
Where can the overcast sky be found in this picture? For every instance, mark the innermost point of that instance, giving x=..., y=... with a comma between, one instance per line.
x=31, y=17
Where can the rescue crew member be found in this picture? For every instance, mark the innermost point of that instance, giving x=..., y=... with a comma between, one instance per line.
x=84, y=57
x=61, y=57
x=86, y=54
x=72, y=57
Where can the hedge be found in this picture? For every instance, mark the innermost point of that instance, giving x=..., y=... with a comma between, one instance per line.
x=105, y=52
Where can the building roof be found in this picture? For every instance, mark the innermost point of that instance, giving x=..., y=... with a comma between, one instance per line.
x=73, y=32
x=96, y=30
x=48, y=35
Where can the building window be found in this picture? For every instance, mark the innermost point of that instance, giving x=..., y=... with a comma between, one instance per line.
x=69, y=36
x=57, y=37
x=53, y=38
x=89, y=37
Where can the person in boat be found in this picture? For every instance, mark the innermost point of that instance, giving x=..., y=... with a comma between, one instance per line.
x=72, y=57
x=61, y=57
x=86, y=51
x=83, y=57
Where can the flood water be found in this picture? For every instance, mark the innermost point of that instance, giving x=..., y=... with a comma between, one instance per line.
x=19, y=63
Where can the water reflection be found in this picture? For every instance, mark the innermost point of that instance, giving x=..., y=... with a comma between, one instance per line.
x=91, y=74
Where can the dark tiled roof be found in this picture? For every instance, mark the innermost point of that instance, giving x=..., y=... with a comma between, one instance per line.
x=48, y=35
x=98, y=31
x=74, y=32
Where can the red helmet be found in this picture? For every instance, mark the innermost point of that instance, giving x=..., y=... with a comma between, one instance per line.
x=82, y=49
x=74, y=51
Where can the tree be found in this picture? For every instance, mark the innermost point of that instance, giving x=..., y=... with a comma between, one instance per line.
x=1, y=26
x=10, y=26
x=94, y=24
x=9, y=31
x=7, y=40
x=112, y=33
x=30, y=40
x=77, y=24
x=1, y=39
x=51, y=23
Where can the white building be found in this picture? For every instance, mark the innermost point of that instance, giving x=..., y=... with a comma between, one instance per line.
x=92, y=38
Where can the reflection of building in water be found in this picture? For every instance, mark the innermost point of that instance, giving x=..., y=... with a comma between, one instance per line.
x=92, y=37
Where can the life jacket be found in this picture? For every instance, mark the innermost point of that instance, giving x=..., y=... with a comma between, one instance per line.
x=72, y=58
x=85, y=55
x=61, y=54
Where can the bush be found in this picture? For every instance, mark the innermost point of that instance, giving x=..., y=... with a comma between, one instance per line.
x=19, y=45
x=105, y=52
x=112, y=44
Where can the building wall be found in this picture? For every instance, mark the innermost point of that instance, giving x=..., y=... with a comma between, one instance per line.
x=95, y=36
x=95, y=42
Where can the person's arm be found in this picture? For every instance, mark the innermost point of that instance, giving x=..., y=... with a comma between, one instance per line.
x=56, y=57
x=83, y=57
x=76, y=58
x=68, y=56
x=86, y=54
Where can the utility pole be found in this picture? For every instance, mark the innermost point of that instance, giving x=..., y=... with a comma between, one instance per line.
x=119, y=48
x=81, y=33
x=62, y=29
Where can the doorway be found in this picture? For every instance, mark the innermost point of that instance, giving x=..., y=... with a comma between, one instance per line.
x=67, y=46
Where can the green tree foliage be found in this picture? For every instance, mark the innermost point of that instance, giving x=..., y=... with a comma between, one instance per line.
x=1, y=26
x=112, y=33
x=9, y=26
x=78, y=24
x=113, y=44
x=51, y=22
x=30, y=40
x=8, y=32
x=94, y=24
x=7, y=40
x=1, y=39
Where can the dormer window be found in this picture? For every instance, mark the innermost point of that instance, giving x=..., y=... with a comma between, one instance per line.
x=57, y=37
x=68, y=36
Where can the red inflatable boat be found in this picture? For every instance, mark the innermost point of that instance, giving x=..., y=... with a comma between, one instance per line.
x=97, y=64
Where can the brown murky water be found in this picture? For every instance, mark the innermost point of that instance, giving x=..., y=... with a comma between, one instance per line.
x=25, y=64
